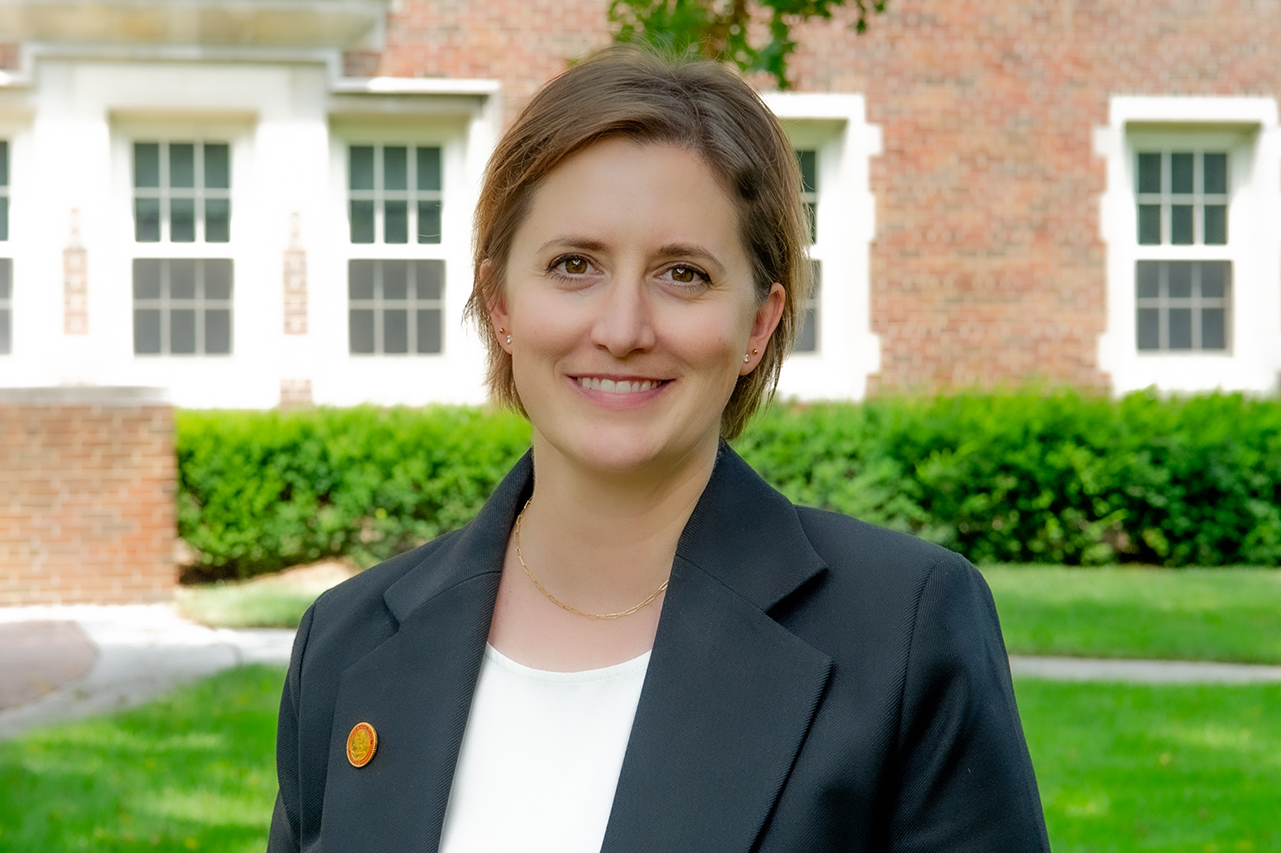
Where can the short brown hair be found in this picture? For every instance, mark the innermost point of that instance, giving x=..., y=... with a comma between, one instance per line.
x=701, y=106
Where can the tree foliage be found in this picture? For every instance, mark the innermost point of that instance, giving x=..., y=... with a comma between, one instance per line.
x=723, y=30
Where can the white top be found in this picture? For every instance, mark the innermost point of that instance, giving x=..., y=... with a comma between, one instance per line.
x=540, y=757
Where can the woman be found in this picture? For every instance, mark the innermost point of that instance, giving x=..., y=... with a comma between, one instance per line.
x=638, y=645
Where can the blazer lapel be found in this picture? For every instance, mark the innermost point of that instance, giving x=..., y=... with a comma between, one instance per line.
x=730, y=694
x=415, y=688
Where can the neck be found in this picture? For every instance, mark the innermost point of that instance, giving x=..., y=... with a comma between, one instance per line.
x=604, y=539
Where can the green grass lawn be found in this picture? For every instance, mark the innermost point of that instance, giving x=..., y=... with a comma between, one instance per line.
x=1141, y=768
x=1188, y=614
x=1121, y=768
x=192, y=771
x=247, y=605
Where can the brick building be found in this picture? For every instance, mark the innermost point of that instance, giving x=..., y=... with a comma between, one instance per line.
x=250, y=204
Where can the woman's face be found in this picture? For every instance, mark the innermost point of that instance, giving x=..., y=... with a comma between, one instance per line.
x=629, y=299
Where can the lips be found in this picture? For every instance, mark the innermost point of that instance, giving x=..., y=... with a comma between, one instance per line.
x=619, y=386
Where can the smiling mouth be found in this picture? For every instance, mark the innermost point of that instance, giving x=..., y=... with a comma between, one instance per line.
x=619, y=386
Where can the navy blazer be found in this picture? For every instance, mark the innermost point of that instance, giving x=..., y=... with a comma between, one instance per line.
x=816, y=684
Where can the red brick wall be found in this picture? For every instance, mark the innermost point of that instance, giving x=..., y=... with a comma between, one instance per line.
x=87, y=506
x=987, y=266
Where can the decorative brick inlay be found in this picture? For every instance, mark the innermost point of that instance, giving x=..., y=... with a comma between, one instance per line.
x=87, y=513
x=295, y=282
x=295, y=394
x=75, y=282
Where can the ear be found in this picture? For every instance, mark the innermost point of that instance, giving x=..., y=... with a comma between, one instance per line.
x=768, y=313
x=498, y=317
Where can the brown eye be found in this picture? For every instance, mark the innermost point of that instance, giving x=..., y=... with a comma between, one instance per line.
x=684, y=275
x=575, y=266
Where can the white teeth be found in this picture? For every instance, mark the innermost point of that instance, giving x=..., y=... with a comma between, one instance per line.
x=621, y=386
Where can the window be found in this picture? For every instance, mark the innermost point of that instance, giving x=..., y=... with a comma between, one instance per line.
x=4, y=190
x=1182, y=201
x=394, y=194
x=182, y=306
x=807, y=337
x=182, y=303
x=395, y=306
x=6, y=306
x=182, y=192
x=396, y=292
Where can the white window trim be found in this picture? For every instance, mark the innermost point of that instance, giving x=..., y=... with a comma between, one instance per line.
x=1253, y=360
x=849, y=352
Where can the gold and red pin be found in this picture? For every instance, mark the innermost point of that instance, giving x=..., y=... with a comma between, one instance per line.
x=361, y=744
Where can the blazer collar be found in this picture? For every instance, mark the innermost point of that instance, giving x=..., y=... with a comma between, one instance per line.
x=728, y=697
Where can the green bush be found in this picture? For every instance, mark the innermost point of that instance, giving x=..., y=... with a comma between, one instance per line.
x=1045, y=478
x=259, y=491
x=1026, y=477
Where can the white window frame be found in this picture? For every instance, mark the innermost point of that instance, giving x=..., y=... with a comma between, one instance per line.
x=1247, y=129
x=835, y=126
x=236, y=135
x=6, y=298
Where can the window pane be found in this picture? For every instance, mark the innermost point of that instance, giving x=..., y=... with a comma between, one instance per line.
x=395, y=279
x=146, y=331
x=182, y=279
x=360, y=279
x=430, y=275
x=1214, y=279
x=1150, y=224
x=146, y=164
x=808, y=161
x=1212, y=329
x=1148, y=279
x=146, y=220
x=429, y=330
x=4, y=218
x=362, y=330
x=1180, y=273
x=6, y=340
x=396, y=331
x=218, y=331
x=1149, y=331
x=362, y=167
x=1181, y=224
x=1180, y=328
x=217, y=220
x=807, y=337
x=428, y=222
x=396, y=222
x=395, y=168
x=217, y=278
x=1216, y=225
x=1181, y=173
x=4, y=163
x=362, y=222
x=182, y=164
x=146, y=278
x=1149, y=173
x=811, y=213
x=217, y=167
x=1216, y=173
x=182, y=331
x=6, y=277
x=429, y=169
x=182, y=220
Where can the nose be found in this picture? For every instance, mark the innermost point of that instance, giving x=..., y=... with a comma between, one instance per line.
x=624, y=323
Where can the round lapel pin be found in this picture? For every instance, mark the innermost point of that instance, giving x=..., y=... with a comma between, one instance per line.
x=361, y=744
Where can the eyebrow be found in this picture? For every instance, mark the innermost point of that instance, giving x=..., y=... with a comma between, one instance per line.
x=669, y=250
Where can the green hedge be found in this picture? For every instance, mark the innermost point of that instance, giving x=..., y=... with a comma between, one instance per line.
x=259, y=491
x=1019, y=477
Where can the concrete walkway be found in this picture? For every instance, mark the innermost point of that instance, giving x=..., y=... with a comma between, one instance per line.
x=63, y=663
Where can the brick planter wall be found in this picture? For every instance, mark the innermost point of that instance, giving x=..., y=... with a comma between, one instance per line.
x=87, y=500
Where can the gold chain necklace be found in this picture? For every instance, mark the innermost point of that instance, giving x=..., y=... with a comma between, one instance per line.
x=554, y=600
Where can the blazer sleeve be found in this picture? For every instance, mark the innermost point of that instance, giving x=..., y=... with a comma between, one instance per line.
x=286, y=817
x=965, y=776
